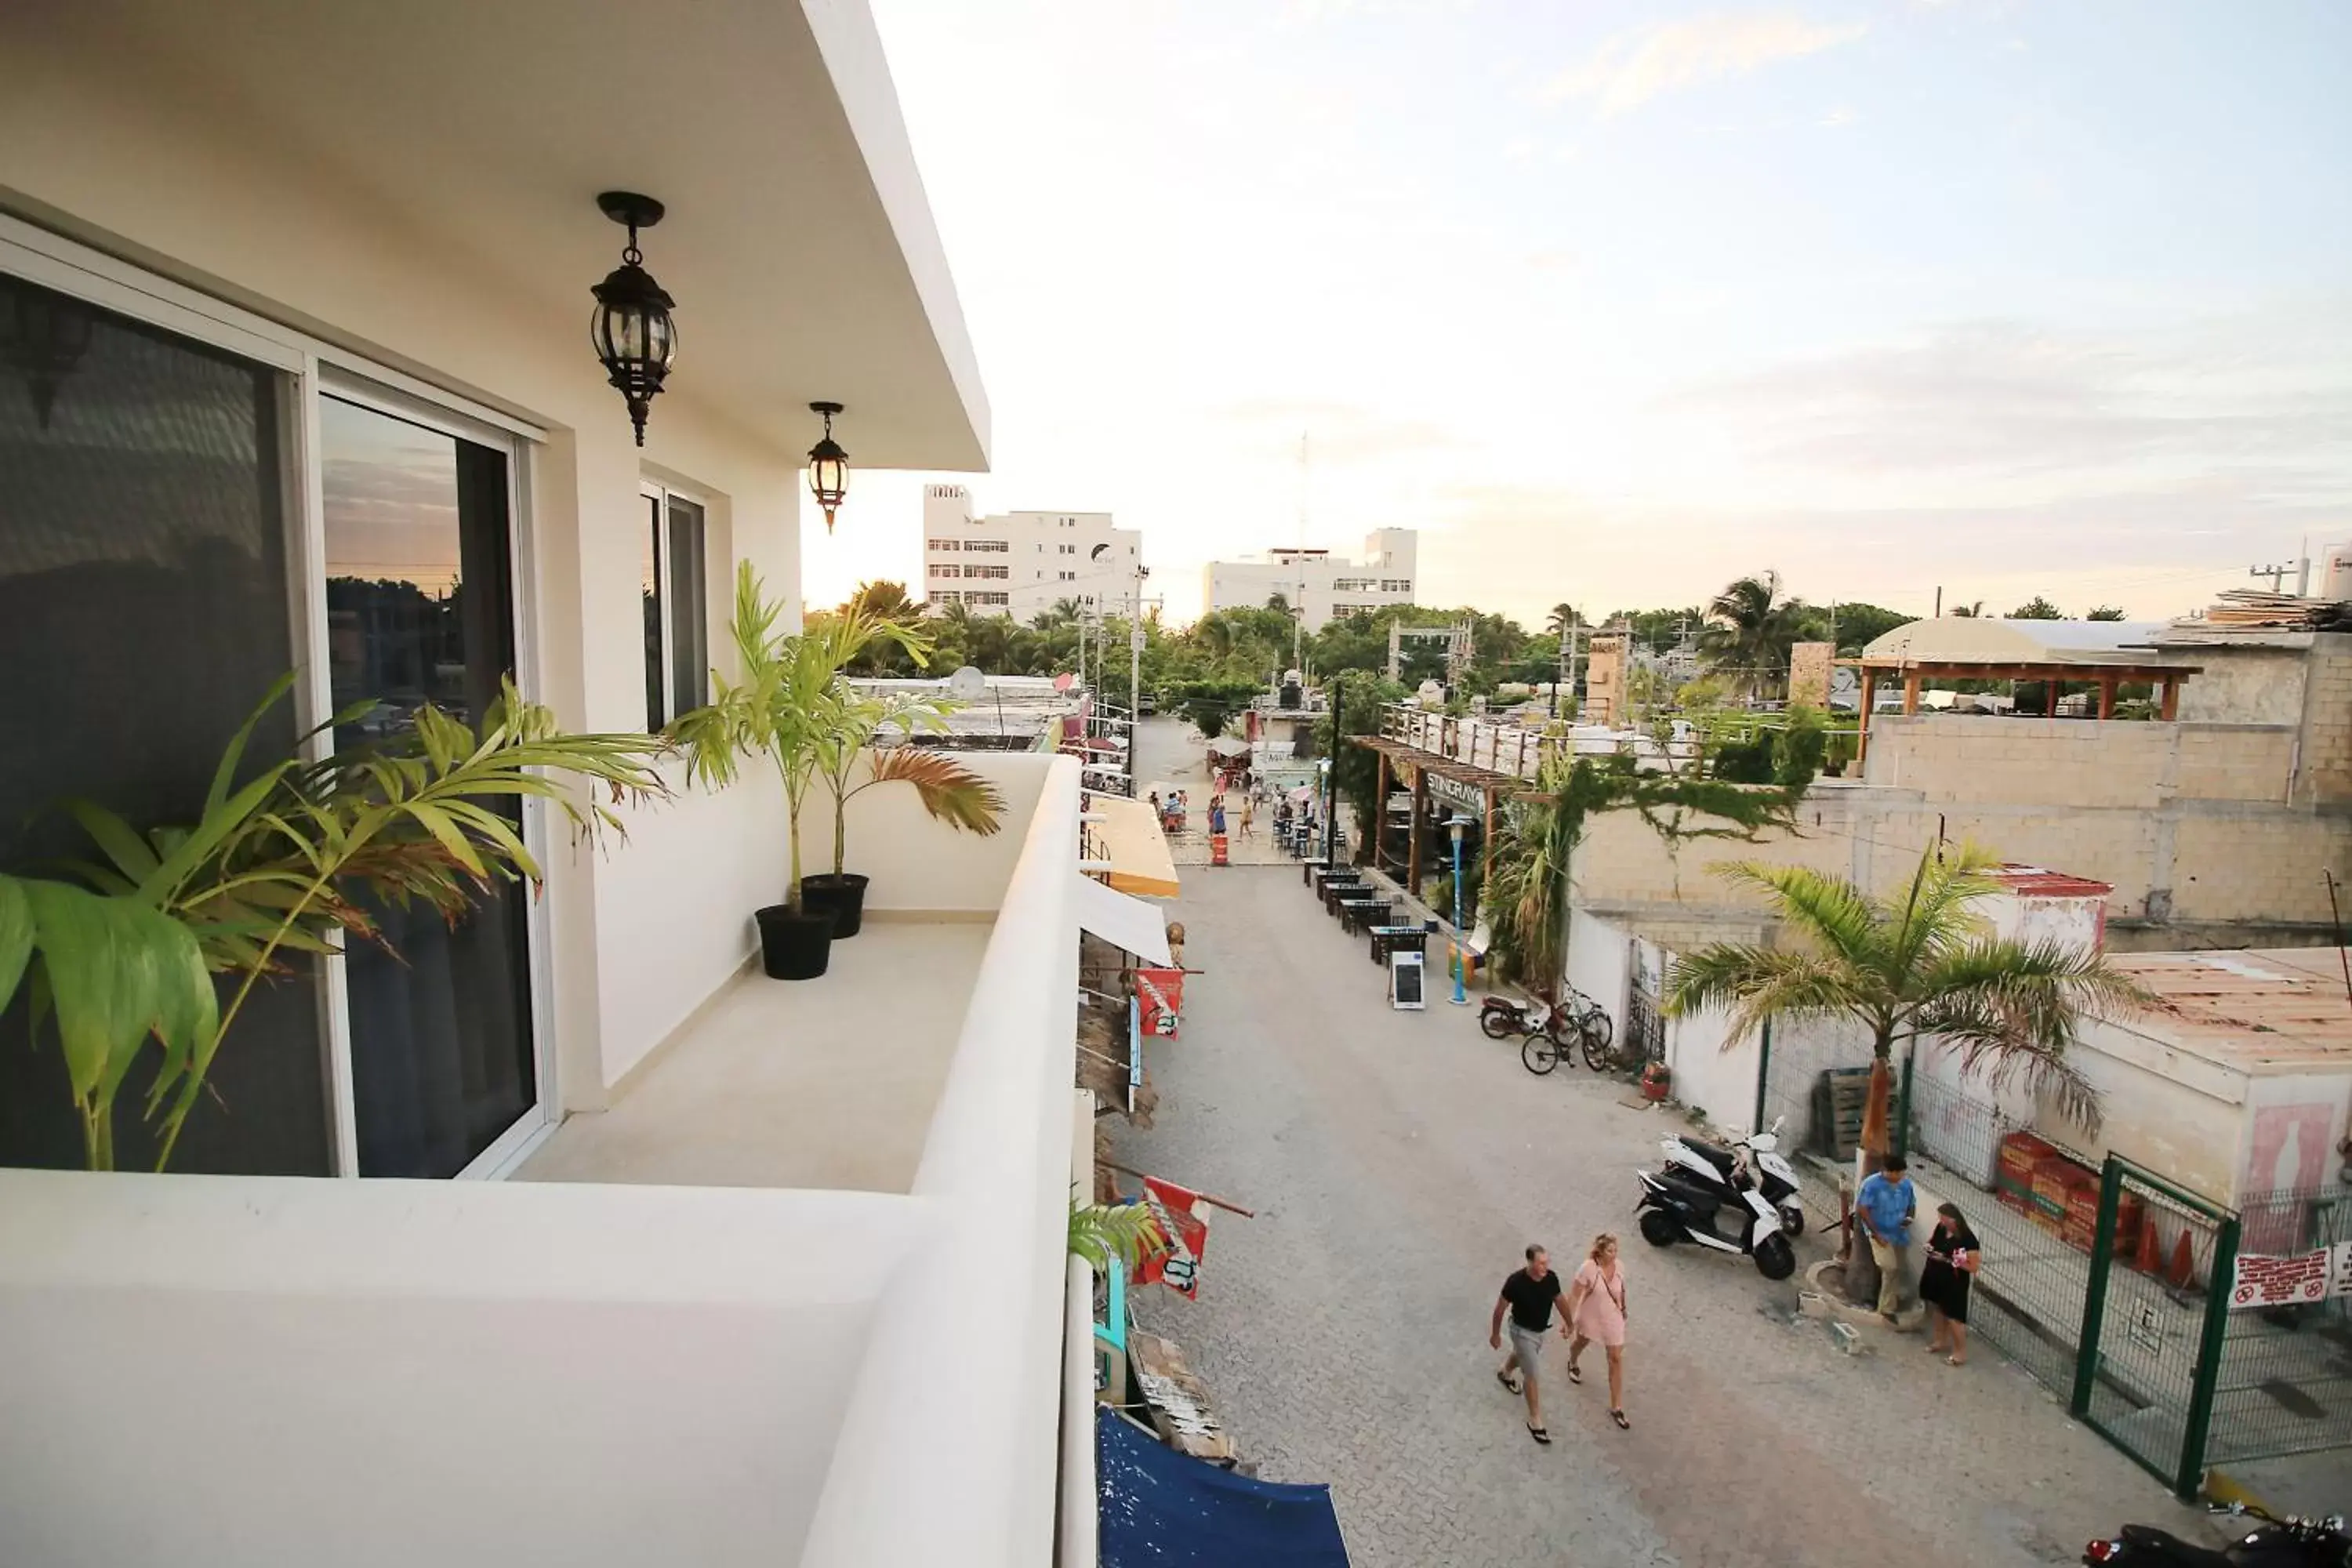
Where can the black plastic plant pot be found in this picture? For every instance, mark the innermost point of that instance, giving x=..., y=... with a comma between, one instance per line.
x=794, y=946
x=844, y=895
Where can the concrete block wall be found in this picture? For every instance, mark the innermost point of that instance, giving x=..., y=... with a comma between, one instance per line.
x=2325, y=778
x=2202, y=862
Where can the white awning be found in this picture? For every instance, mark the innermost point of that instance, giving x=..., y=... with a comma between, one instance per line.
x=1127, y=923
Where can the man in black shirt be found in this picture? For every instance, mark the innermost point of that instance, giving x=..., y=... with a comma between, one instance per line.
x=1528, y=1295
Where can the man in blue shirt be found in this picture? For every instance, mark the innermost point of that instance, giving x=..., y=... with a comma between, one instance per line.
x=1884, y=1208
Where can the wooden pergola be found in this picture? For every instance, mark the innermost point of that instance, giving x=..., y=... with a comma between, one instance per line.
x=2108, y=675
x=1415, y=767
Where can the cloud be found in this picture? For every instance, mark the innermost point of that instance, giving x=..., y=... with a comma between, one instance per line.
x=1837, y=119
x=1633, y=68
x=2005, y=398
x=1339, y=433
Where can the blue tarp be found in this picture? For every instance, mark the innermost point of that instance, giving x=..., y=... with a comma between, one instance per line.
x=1161, y=1508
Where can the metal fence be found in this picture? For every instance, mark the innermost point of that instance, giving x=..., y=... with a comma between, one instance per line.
x=2284, y=1381
x=1813, y=1080
x=2119, y=1297
x=2161, y=1261
x=2030, y=1285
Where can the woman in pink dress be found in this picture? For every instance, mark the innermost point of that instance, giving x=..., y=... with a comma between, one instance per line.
x=1596, y=1305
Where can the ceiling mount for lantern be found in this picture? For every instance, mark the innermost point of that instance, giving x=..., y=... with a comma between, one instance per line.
x=828, y=466
x=632, y=330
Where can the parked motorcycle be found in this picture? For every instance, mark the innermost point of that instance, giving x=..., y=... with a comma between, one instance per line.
x=1775, y=1177
x=2276, y=1543
x=1707, y=1194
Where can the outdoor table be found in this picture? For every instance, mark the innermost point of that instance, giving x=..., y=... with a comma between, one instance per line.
x=1325, y=880
x=1387, y=940
x=1345, y=895
x=1358, y=915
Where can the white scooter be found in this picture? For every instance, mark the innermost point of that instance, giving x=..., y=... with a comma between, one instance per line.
x=1740, y=1199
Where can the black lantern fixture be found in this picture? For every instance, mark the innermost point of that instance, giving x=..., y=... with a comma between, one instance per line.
x=632, y=329
x=828, y=470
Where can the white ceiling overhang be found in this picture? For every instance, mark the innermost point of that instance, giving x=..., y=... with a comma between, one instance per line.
x=799, y=242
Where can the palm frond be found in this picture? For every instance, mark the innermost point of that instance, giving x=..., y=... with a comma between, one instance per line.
x=1754, y=984
x=950, y=789
x=1102, y=1233
x=1830, y=912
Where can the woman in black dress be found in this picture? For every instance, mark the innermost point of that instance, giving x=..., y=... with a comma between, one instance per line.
x=1944, y=1283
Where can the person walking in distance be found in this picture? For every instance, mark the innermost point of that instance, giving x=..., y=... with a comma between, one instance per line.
x=1596, y=1307
x=1884, y=1208
x=1528, y=1295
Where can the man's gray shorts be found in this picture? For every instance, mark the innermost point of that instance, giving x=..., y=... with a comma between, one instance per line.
x=1528, y=1343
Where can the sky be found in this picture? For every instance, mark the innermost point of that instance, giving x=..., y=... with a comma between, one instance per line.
x=1617, y=303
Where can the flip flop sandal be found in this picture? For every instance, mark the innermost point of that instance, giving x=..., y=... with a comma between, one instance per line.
x=1540, y=1434
x=1575, y=1374
x=1619, y=1417
x=1509, y=1382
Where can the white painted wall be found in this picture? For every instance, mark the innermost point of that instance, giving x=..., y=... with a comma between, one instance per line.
x=186, y=188
x=934, y=1488
x=1719, y=1081
x=916, y=863
x=269, y=1371
x=1600, y=962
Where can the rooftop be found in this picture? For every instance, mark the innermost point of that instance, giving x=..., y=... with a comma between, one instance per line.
x=2266, y=1012
x=1966, y=639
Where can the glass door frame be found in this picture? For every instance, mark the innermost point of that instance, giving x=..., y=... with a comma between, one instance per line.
x=313, y=368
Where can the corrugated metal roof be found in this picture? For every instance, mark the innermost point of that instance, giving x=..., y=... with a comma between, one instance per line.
x=2266, y=1012
x=1969, y=640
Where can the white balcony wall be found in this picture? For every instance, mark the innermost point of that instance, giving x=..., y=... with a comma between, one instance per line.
x=995, y=1179
x=267, y=1370
x=919, y=866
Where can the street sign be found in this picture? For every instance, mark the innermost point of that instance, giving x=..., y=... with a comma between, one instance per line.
x=1405, y=982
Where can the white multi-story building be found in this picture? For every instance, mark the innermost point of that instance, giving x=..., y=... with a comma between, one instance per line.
x=1321, y=585
x=1020, y=562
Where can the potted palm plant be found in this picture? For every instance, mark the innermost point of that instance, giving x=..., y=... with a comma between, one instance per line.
x=950, y=792
x=787, y=707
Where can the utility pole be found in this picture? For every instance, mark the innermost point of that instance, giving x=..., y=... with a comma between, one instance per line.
x=1332, y=773
x=2301, y=567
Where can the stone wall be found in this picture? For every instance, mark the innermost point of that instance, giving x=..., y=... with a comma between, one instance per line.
x=2208, y=865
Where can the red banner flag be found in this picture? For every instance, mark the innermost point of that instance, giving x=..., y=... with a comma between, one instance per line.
x=1185, y=1231
x=1160, y=993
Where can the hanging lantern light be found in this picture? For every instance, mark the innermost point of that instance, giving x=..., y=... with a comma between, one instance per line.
x=828, y=468
x=632, y=329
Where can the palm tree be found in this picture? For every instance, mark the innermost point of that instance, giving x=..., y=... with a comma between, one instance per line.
x=1920, y=964
x=791, y=704
x=883, y=599
x=1749, y=630
x=1563, y=616
x=1967, y=612
x=1527, y=880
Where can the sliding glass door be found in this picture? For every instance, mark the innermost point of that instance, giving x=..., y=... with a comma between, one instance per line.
x=145, y=606
x=419, y=594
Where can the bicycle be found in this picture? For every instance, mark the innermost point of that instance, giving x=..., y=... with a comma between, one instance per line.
x=1545, y=1050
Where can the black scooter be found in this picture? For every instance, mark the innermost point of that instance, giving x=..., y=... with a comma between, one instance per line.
x=2275, y=1544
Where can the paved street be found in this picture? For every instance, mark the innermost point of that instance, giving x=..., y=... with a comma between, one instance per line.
x=1398, y=1164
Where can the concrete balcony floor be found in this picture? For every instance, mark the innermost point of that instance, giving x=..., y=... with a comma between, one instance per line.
x=819, y=1083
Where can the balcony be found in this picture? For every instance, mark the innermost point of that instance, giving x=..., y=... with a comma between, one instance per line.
x=692, y=1334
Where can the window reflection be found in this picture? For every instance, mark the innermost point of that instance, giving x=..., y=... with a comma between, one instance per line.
x=419, y=602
